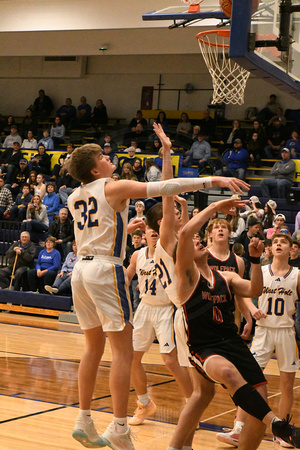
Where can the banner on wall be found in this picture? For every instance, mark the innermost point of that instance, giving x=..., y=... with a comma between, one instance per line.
x=147, y=97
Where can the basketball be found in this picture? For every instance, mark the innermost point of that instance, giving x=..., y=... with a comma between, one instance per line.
x=226, y=6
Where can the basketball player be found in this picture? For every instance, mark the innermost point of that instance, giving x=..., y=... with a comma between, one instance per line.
x=100, y=289
x=216, y=350
x=276, y=331
x=154, y=317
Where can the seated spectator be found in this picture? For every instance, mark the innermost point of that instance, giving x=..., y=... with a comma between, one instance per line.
x=297, y=221
x=131, y=156
x=127, y=172
x=8, y=123
x=6, y=201
x=46, y=268
x=208, y=126
x=278, y=113
x=29, y=143
x=9, y=161
x=29, y=124
x=276, y=137
x=293, y=145
x=47, y=141
x=31, y=180
x=194, y=212
x=294, y=259
x=19, y=208
x=237, y=224
x=255, y=150
x=285, y=230
x=139, y=135
x=254, y=209
x=62, y=229
x=137, y=119
x=36, y=222
x=282, y=175
x=20, y=256
x=183, y=131
x=62, y=159
x=152, y=172
x=62, y=283
x=99, y=115
x=279, y=222
x=162, y=120
x=42, y=106
x=108, y=139
x=138, y=171
x=236, y=161
x=57, y=132
x=139, y=209
x=267, y=256
x=269, y=110
x=195, y=132
x=155, y=146
x=67, y=111
x=51, y=200
x=41, y=161
x=159, y=159
x=229, y=136
x=108, y=151
x=40, y=187
x=19, y=177
x=199, y=153
x=115, y=176
x=261, y=135
x=83, y=114
x=254, y=230
x=270, y=213
x=12, y=138
x=66, y=185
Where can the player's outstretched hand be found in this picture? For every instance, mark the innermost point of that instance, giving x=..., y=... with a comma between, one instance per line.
x=234, y=184
x=225, y=206
x=165, y=141
x=256, y=247
x=180, y=200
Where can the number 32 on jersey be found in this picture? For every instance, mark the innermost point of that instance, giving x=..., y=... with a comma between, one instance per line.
x=87, y=210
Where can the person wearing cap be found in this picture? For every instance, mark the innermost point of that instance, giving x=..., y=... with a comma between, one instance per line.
x=279, y=222
x=19, y=208
x=282, y=174
x=254, y=230
x=236, y=160
x=254, y=209
x=19, y=177
x=47, y=266
x=107, y=149
x=276, y=137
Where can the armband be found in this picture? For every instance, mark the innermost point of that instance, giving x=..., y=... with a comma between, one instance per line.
x=177, y=185
x=254, y=259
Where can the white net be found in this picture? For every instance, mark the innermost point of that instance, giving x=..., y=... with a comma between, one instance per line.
x=229, y=78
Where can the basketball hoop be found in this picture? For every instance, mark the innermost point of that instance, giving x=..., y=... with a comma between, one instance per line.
x=229, y=78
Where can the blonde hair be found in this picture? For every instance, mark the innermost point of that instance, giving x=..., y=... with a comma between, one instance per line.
x=82, y=161
x=215, y=221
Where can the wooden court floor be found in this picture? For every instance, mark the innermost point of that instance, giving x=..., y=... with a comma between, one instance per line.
x=38, y=391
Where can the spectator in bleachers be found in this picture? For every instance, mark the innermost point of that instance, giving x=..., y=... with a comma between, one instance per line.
x=199, y=153
x=261, y=135
x=236, y=161
x=66, y=185
x=279, y=222
x=139, y=135
x=41, y=161
x=61, y=162
x=269, y=214
x=159, y=159
x=21, y=252
x=29, y=124
x=195, y=132
x=269, y=110
x=19, y=177
x=267, y=256
x=137, y=119
x=47, y=266
x=276, y=137
x=152, y=172
x=62, y=229
x=254, y=230
x=36, y=222
x=278, y=113
x=134, y=288
x=229, y=136
x=162, y=120
x=6, y=200
x=183, y=131
x=40, y=187
x=208, y=126
x=19, y=208
x=57, y=132
x=62, y=283
x=108, y=139
x=108, y=151
x=293, y=144
x=294, y=259
x=83, y=114
x=131, y=156
x=99, y=115
x=8, y=122
x=29, y=143
x=42, y=106
x=127, y=172
x=138, y=171
x=297, y=221
x=9, y=161
x=67, y=111
x=255, y=150
x=31, y=180
x=51, y=200
x=156, y=145
x=237, y=224
x=46, y=140
x=282, y=174
x=12, y=138
x=254, y=209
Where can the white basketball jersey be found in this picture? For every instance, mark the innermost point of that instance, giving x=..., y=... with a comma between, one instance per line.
x=278, y=298
x=165, y=269
x=99, y=230
x=151, y=290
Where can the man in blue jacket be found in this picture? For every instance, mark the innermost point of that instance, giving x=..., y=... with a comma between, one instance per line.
x=236, y=161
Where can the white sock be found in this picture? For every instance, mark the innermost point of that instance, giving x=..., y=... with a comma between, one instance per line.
x=120, y=425
x=238, y=424
x=173, y=448
x=187, y=447
x=187, y=399
x=144, y=399
x=275, y=419
x=86, y=415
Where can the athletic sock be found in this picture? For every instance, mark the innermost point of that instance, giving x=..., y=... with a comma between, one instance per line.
x=275, y=419
x=187, y=447
x=187, y=399
x=86, y=415
x=173, y=448
x=120, y=425
x=144, y=399
x=238, y=424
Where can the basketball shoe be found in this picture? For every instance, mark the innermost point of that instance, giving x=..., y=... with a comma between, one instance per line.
x=288, y=433
x=231, y=437
x=86, y=434
x=142, y=412
x=118, y=441
x=282, y=443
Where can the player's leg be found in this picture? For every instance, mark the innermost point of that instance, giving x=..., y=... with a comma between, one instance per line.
x=287, y=393
x=180, y=374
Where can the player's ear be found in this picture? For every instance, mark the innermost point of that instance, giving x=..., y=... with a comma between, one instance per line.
x=159, y=222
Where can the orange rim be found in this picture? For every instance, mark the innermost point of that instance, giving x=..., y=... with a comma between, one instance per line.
x=221, y=33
